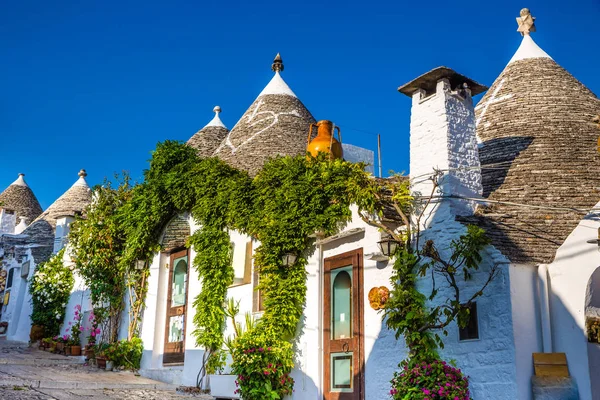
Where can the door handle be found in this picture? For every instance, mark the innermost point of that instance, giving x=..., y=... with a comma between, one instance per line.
x=345, y=347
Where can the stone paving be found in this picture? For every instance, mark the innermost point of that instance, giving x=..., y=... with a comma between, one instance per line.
x=30, y=374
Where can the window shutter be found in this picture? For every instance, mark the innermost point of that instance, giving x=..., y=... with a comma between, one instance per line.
x=248, y=264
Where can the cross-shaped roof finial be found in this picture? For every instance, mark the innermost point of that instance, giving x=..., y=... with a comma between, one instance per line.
x=526, y=22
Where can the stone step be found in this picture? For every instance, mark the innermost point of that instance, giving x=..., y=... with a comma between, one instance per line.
x=52, y=384
x=74, y=360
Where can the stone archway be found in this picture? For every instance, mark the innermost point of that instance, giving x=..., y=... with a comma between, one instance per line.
x=176, y=302
x=592, y=325
x=176, y=233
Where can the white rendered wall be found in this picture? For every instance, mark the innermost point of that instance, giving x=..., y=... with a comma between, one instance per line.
x=12, y=311
x=21, y=319
x=7, y=222
x=526, y=326
x=443, y=137
x=569, y=274
x=489, y=361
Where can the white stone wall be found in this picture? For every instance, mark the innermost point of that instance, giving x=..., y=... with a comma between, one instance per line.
x=526, y=318
x=570, y=272
x=442, y=136
x=490, y=360
x=7, y=222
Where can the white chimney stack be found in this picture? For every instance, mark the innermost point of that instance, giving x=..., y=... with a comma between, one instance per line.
x=442, y=136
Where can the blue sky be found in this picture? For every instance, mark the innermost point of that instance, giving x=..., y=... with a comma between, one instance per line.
x=96, y=85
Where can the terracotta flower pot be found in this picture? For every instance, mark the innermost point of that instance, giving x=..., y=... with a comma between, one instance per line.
x=68, y=350
x=101, y=361
x=60, y=347
x=75, y=350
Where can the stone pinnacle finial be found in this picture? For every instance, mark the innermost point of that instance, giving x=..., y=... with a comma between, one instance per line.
x=277, y=64
x=526, y=22
x=21, y=174
x=82, y=173
x=217, y=110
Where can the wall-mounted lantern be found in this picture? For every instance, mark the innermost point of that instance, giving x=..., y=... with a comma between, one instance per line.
x=140, y=264
x=289, y=259
x=596, y=241
x=388, y=246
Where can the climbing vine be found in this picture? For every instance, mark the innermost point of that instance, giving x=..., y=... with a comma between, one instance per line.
x=283, y=207
x=50, y=288
x=97, y=243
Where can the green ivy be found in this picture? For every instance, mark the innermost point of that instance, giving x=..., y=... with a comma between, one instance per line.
x=290, y=200
x=50, y=288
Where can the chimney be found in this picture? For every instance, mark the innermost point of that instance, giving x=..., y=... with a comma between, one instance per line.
x=21, y=226
x=442, y=136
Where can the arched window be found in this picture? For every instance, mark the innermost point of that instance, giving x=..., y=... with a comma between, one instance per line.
x=341, y=304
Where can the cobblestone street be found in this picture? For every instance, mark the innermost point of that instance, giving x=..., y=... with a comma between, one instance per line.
x=30, y=374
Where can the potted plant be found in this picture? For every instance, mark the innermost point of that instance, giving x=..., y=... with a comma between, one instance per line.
x=76, y=330
x=94, y=331
x=225, y=384
x=67, y=344
x=60, y=343
x=99, y=350
x=112, y=356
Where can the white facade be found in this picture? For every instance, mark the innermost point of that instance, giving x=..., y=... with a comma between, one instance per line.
x=569, y=273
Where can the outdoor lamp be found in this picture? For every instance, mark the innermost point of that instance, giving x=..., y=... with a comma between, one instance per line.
x=596, y=241
x=289, y=259
x=388, y=246
x=140, y=264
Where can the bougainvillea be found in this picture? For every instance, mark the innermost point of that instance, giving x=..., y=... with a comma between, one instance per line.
x=435, y=380
x=50, y=288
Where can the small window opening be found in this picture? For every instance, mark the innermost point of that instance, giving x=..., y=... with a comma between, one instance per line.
x=10, y=278
x=471, y=330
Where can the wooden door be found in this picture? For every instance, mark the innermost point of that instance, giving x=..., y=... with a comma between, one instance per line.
x=176, y=308
x=343, y=342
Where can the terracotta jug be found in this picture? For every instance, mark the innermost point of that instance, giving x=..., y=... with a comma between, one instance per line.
x=324, y=141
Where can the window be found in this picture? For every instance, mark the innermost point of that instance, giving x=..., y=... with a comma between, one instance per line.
x=241, y=262
x=471, y=330
x=10, y=278
x=257, y=298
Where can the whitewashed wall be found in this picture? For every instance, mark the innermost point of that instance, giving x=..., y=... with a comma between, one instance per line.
x=569, y=274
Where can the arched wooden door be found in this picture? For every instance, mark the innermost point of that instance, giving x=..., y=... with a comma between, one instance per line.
x=343, y=338
x=176, y=308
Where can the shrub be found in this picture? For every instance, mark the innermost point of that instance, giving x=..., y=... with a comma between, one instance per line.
x=435, y=380
x=126, y=353
x=50, y=289
x=263, y=366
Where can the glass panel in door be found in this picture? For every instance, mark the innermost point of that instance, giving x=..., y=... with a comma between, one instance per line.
x=341, y=303
x=179, y=282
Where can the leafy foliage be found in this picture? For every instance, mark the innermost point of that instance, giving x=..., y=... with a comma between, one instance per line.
x=97, y=243
x=263, y=365
x=50, y=289
x=126, y=353
x=429, y=381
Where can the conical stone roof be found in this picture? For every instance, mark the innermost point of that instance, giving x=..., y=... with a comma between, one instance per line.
x=539, y=147
x=19, y=197
x=207, y=139
x=276, y=123
x=71, y=203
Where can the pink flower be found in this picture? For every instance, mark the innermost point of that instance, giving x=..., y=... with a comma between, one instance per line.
x=426, y=391
x=81, y=329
